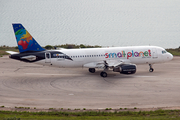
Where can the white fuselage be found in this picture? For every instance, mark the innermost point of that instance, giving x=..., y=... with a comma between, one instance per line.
x=134, y=54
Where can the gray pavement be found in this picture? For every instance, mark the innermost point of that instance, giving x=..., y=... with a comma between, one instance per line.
x=30, y=85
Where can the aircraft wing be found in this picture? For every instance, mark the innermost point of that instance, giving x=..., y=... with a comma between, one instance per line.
x=94, y=65
x=110, y=63
x=114, y=63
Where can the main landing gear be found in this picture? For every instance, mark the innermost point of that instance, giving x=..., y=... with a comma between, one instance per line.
x=106, y=67
x=92, y=70
x=103, y=74
x=150, y=69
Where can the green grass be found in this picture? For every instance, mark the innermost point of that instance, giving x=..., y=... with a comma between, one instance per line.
x=124, y=115
x=4, y=48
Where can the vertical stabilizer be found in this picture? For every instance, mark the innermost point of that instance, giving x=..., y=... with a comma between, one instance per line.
x=24, y=40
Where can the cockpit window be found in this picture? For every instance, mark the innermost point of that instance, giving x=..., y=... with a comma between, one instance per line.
x=163, y=51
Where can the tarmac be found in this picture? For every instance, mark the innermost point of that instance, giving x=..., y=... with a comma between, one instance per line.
x=30, y=85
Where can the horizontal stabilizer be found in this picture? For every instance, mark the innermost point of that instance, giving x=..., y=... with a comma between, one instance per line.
x=12, y=52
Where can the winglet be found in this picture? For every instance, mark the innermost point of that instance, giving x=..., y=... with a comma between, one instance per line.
x=24, y=40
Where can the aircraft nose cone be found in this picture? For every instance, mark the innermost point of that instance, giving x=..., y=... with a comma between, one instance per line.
x=170, y=57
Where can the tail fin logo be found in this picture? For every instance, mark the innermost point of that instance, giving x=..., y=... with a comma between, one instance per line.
x=24, y=40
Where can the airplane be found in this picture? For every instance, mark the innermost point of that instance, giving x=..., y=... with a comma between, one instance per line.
x=117, y=59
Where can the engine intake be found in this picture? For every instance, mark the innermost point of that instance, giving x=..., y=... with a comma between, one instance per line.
x=125, y=69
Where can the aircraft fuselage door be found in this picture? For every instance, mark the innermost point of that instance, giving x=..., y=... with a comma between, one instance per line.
x=47, y=57
x=154, y=53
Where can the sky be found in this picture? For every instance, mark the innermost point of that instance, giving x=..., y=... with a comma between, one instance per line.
x=93, y=22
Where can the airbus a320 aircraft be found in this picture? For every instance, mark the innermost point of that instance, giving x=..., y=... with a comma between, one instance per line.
x=118, y=59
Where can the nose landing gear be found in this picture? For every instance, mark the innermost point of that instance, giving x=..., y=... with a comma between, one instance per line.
x=150, y=69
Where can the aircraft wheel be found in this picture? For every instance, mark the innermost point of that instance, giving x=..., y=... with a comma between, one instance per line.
x=103, y=74
x=92, y=70
x=151, y=70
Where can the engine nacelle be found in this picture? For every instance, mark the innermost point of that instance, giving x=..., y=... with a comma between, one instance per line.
x=125, y=69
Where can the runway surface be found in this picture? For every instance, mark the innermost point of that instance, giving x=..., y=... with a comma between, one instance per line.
x=30, y=85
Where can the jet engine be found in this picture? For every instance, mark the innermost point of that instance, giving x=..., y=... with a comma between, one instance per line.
x=125, y=68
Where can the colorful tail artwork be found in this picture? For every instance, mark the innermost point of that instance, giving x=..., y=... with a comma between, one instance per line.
x=24, y=40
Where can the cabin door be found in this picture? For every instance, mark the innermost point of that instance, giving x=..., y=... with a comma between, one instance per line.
x=154, y=53
x=47, y=57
